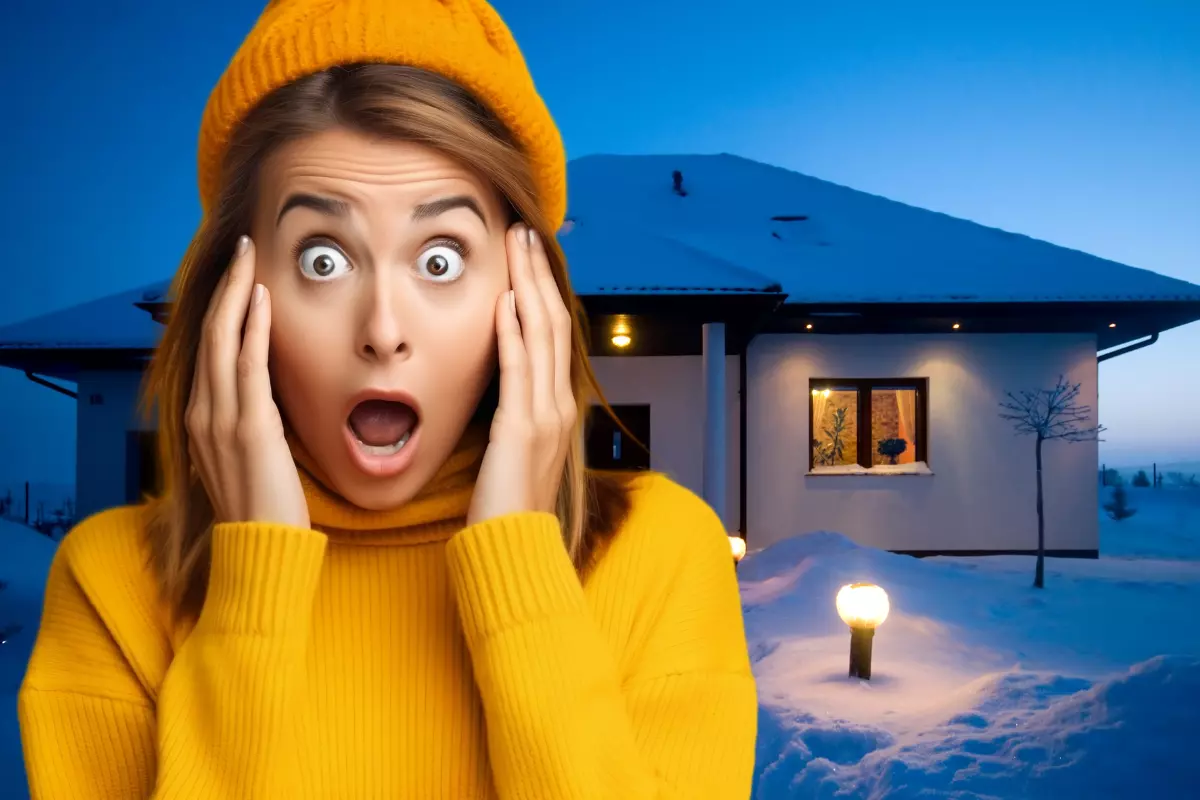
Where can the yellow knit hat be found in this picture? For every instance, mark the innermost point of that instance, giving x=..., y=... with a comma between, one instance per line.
x=463, y=40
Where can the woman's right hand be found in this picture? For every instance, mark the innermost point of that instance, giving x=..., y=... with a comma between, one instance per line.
x=235, y=432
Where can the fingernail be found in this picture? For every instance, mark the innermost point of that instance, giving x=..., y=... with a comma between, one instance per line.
x=259, y=291
x=243, y=244
x=533, y=237
x=512, y=300
x=523, y=235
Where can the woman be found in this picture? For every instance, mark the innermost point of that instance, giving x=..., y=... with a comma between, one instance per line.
x=378, y=567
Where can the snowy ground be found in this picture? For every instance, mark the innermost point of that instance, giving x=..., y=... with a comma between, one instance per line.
x=24, y=561
x=983, y=687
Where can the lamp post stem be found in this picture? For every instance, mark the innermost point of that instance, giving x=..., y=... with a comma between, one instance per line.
x=860, y=652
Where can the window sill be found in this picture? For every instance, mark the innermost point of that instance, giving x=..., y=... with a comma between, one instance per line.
x=913, y=468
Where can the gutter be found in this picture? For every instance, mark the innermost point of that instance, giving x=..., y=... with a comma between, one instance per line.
x=1127, y=348
x=40, y=381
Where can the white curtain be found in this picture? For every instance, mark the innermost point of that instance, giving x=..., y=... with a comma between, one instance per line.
x=819, y=403
x=906, y=404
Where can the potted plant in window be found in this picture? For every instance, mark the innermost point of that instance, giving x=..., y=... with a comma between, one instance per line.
x=832, y=450
x=891, y=448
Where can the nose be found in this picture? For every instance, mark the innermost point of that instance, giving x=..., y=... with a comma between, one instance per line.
x=383, y=332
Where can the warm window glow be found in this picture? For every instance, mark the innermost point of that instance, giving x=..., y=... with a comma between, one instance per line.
x=893, y=426
x=835, y=427
x=862, y=605
x=621, y=340
x=868, y=422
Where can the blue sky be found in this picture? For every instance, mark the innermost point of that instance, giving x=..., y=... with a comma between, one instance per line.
x=1073, y=122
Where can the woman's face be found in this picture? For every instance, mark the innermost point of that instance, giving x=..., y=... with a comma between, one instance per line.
x=384, y=261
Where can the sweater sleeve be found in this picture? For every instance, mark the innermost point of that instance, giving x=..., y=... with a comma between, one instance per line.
x=561, y=722
x=220, y=722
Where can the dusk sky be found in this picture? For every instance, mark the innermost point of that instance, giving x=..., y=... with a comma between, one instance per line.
x=1073, y=122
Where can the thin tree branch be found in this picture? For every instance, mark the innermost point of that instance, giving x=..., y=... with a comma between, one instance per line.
x=1053, y=413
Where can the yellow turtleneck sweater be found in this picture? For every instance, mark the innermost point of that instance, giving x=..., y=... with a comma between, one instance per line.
x=398, y=655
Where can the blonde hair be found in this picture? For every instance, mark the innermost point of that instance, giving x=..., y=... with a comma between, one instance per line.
x=397, y=102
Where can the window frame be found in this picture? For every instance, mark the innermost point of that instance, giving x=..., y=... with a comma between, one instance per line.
x=864, y=387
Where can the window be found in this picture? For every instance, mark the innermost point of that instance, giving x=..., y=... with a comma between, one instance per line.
x=875, y=425
x=607, y=445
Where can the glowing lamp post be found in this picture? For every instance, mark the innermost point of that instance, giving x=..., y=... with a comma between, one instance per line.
x=738, y=545
x=864, y=607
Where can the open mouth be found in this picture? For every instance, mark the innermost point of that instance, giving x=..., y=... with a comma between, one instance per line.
x=382, y=427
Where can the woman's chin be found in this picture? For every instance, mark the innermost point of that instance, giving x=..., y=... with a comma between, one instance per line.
x=378, y=494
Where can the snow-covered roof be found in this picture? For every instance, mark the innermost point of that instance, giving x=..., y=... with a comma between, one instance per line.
x=110, y=323
x=826, y=243
x=623, y=260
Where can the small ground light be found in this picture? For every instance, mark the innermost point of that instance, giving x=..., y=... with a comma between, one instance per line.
x=1112, y=324
x=808, y=327
x=738, y=545
x=956, y=326
x=864, y=607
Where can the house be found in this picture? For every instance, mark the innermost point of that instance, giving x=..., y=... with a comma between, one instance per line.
x=740, y=313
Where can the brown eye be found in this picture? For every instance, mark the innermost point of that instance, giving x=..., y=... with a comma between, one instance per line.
x=441, y=264
x=323, y=262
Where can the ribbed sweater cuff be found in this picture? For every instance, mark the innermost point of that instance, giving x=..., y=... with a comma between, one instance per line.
x=263, y=577
x=511, y=570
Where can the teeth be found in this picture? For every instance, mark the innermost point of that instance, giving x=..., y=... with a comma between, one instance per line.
x=385, y=449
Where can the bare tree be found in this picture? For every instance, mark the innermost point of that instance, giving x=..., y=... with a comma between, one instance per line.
x=1048, y=414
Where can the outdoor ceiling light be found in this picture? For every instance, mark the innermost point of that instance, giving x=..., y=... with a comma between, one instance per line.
x=864, y=607
x=621, y=333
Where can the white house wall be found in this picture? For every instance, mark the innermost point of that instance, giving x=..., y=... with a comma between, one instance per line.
x=674, y=388
x=106, y=411
x=982, y=493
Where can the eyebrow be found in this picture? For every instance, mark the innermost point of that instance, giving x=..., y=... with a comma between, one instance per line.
x=328, y=206
x=437, y=207
x=339, y=208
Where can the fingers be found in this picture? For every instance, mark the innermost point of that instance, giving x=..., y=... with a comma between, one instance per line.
x=560, y=333
x=200, y=385
x=514, y=362
x=534, y=326
x=198, y=415
x=213, y=405
x=255, y=405
x=199, y=411
x=224, y=340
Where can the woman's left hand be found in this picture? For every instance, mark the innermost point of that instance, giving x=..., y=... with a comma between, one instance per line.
x=534, y=421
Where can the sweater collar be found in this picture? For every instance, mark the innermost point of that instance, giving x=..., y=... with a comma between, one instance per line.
x=436, y=512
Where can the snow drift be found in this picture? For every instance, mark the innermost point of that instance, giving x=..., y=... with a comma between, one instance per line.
x=983, y=687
